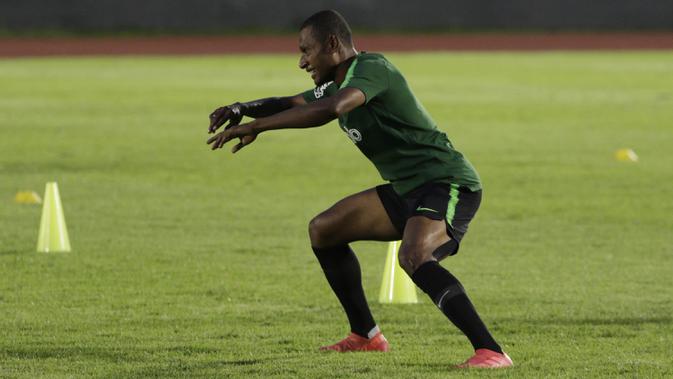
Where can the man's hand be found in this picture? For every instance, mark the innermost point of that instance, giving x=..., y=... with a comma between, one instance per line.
x=231, y=113
x=244, y=133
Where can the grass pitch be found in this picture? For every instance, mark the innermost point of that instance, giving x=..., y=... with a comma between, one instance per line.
x=189, y=262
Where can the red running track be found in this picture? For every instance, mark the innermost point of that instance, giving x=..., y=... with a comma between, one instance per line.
x=18, y=47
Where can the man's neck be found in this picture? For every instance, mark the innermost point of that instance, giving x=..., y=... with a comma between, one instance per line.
x=343, y=66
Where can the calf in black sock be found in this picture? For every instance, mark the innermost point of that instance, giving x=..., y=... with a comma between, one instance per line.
x=449, y=295
x=342, y=271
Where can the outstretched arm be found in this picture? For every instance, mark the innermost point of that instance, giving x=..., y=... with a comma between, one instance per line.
x=271, y=105
x=302, y=116
x=255, y=109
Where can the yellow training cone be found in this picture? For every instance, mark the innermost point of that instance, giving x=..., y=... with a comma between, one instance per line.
x=53, y=236
x=396, y=287
x=27, y=197
x=626, y=155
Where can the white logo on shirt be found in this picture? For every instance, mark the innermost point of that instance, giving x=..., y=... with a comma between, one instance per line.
x=319, y=91
x=354, y=135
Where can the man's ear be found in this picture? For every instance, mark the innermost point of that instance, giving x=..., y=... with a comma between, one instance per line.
x=333, y=43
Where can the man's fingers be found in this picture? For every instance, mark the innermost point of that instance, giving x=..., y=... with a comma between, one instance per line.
x=215, y=124
x=243, y=133
x=213, y=118
x=223, y=139
x=215, y=140
x=219, y=117
x=214, y=114
x=243, y=141
x=237, y=147
x=219, y=140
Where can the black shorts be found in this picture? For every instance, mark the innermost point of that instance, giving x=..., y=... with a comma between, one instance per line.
x=438, y=201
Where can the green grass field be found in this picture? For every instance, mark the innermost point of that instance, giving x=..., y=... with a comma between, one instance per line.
x=188, y=262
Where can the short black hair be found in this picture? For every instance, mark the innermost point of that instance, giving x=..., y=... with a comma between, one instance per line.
x=329, y=22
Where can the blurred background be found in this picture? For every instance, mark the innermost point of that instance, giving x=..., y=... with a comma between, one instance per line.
x=198, y=16
x=131, y=27
x=213, y=27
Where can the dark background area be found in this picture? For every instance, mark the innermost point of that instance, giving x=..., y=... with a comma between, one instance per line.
x=238, y=16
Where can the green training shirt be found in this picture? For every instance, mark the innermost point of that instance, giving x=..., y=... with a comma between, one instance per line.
x=394, y=131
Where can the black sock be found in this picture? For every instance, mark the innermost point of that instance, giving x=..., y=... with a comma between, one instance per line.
x=342, y=271
x=449, y=295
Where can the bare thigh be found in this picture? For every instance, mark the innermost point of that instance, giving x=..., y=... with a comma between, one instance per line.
x=358, y=217
x=422, y=236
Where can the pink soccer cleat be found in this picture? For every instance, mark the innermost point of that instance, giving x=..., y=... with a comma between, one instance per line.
x=485, y=358
x=355, y=342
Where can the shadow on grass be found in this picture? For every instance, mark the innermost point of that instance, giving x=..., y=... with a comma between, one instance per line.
x=64, y=352
x=425, y=366
x=218, y=368
x=621, y=321
x=112, y=354
x=145, y=362
x=239, y=362
x=10, y=252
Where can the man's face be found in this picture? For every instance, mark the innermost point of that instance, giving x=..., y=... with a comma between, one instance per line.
x=314, y=58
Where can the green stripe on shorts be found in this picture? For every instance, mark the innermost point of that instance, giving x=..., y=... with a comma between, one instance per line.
x=453, y=201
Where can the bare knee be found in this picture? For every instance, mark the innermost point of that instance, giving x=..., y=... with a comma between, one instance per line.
x=414, y=255
x=319, y=231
